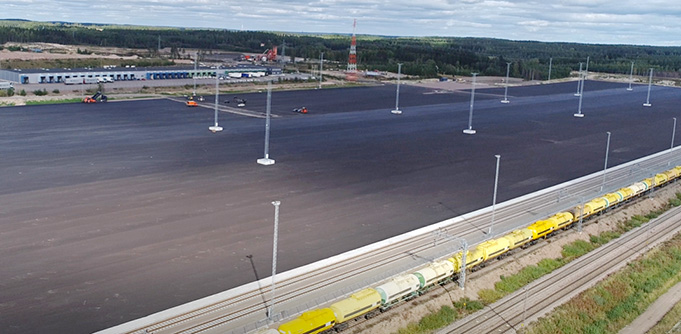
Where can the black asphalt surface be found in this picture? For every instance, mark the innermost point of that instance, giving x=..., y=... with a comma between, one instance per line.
x=110, y=212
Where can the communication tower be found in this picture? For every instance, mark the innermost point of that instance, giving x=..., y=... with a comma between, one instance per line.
x=351, y=74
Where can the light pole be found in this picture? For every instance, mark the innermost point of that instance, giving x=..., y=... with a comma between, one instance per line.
x=586, y=70
x=266, y=160
x=631, y=76
x=216, y=128
x=470, y=130
x=494, y=197
x=550, y=64
x=605, y=167
x=397, y=110
x=508, y=70
x=579, y=81
x=321, y=61
x=650, y=83
x=196, y=60
x=672, y=145
x=270, y=309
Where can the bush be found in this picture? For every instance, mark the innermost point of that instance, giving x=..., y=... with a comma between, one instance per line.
x=39, y=92
x=56, y=91
x=22, y=92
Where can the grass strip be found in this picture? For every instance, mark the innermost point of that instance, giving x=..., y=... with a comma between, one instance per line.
x=618, y=300
x=41, y=102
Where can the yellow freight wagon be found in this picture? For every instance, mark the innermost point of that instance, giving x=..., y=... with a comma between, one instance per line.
x=359, y=303
x=310, y=322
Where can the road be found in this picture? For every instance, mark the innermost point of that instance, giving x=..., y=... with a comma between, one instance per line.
x=111, y=212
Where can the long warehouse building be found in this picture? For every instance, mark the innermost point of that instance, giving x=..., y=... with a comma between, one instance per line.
x=45, y=75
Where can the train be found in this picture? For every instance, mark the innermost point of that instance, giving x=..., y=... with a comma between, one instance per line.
x=370, y=302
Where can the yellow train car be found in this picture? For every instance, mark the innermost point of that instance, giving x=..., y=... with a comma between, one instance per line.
x=678, y=170
x=626, y=193
x=359, y=304
x=310, y=322
x=542, y=228
x=563, y=219
x=474, y=257
x=671, y=174
x=494, y=248
x=518, y=238
x=434, y=273
x=613, y=199
x=640, y=187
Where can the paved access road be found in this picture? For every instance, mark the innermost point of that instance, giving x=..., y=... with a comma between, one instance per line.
x=110, y=212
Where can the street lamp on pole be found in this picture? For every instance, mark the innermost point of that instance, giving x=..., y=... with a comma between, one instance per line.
x=270, y=309
x=550, y=65
x=397, y=110
x=579, y=81
x=470, y=130
x=266, y=159
x=321, y=61
x=196, y=60
x=605, y=167
x=216, y=128
x=650, y=83
x=631, y=76
x=508, y=70
x=494, y=197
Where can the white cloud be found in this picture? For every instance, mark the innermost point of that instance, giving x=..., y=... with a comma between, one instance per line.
x=655, y=22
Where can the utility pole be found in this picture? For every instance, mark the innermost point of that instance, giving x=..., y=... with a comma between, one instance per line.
x=470, y=130
x=494, y=197
x=631, y=76
x=508, y=70
x=216, y=128
x=605, y=168
x=550, y=63
x=270, y=310
x=650, y=84
x=397, y=110
x=321, y=61
x=266, y=160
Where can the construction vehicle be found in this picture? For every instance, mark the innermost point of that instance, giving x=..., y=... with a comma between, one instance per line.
x=301, y=110
x=192, y=103
x=97, y=97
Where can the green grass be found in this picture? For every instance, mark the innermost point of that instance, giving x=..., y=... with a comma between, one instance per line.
x=33, y=103
x=670, y=323
x=443, y=317
x=621, y=298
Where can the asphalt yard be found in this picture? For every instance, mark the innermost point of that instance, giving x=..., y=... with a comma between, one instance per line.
x=110, y=212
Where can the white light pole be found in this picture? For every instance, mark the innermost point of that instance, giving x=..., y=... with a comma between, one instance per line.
x=470, y=130
x=650, y=83
x=586, y=70
x=550, y=65
x=321, y=61
x=216, y=128
x=579, y=81
x=397, y=110
x=631, y=76
x=494, y=197
x=270, y=309
x=266, y=160
x=196, y=60
x=508, y=70
x=673, y=133
x=672, y=145
x=605, y=168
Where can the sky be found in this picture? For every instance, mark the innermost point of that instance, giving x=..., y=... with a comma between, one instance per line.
x=638, y=22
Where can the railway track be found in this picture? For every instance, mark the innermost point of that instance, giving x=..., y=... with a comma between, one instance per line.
x=541, y=296
x=241, y=312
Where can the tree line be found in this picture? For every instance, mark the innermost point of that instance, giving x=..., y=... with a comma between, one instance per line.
x=426, y=57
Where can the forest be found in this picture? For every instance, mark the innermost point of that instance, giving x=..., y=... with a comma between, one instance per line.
x=424, y=56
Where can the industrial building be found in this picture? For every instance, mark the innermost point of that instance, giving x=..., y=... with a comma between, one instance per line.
x=57, y=75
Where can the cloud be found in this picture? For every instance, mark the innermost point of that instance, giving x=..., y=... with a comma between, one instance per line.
x=656, y=22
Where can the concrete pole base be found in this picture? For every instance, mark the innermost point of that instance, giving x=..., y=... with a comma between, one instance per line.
x=578, y=115
x=505, y=101
x=577, y=94
x=647, y=105
x=396, y=111
x=215, y=129
x=630, y=89
x=469, y=131
x=266, y=161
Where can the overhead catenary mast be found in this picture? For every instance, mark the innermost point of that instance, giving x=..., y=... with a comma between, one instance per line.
x=351, y=73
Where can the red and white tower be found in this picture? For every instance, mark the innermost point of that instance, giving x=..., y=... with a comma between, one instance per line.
x=351, y=73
